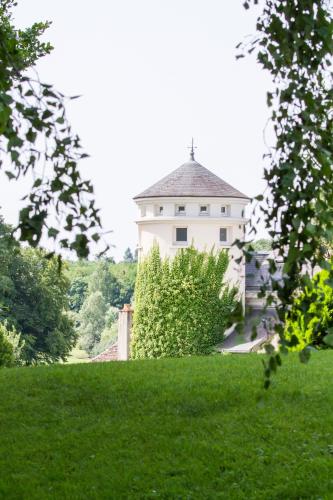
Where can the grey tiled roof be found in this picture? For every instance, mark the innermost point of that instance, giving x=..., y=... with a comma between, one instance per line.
x=191, y=179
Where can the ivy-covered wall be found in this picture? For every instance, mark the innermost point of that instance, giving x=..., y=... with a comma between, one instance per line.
x=182, y=306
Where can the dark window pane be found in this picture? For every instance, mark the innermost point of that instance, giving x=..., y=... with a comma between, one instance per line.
x=181, y=234
x=223, y=234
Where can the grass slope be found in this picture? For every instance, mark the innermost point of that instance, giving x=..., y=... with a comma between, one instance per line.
x=181, y=428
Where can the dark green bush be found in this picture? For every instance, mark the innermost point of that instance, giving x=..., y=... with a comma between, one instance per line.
x=182, y=306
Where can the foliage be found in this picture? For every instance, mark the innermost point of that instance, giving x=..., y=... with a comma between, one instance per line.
x=108, y=337
x=7, y=357
x=262, y=244
x=11, y=345
x=8, y=248
x=294, y=44
x=104, y=281
x=38, y=307
x=97, y=323
x=98, y=289
x=77, y=293
x=92, y=320
x=33, y=299
x=78, y=422
x=35, y=137
x=181, y=304
x=121, y=282
x=81, y=268
x=111, y=317
x=310, y=321
x=126, y=276
x=128, y=256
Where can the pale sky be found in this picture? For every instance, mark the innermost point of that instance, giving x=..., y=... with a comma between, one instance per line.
x=152, y=74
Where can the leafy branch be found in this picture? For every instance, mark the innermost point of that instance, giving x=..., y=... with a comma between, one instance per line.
x=36, y=138
x=294, y=43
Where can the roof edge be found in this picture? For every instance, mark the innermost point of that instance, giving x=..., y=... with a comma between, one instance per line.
x=139, y=197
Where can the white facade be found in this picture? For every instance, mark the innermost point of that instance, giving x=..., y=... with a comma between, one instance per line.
x=203, y=222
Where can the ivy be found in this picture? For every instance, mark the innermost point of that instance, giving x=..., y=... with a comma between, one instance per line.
x=36, y=138
x=294, y=43
x=182, y=306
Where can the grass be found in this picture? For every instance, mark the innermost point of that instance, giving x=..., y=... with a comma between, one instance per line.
x=193, y=428
x=78, y=356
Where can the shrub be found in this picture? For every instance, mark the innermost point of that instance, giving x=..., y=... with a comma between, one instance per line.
x=10, y=346
x=182, y=306
x=311, y=317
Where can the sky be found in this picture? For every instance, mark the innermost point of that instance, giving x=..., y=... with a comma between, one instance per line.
x=152, y=74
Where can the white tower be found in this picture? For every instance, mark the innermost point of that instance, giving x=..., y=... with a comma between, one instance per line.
x=193, y=206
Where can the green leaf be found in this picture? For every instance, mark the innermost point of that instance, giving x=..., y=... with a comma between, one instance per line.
x=37, y=183
x=10, y=175
x=52, y=232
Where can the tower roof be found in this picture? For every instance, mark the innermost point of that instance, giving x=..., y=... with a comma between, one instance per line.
x=193, y=180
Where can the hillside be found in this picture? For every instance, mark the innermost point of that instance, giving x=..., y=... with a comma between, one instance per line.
x=172, y=428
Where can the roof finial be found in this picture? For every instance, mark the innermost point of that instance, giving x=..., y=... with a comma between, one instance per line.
x=192, y=148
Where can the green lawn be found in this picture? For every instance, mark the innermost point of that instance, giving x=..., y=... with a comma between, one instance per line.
x=191, y=428
x=78, y=356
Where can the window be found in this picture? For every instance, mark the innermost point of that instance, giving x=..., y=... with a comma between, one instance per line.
x=203, y=209
x=243, y=213
x=224, y=210
x=180, y=210
x=223, y=234
x=158, y=210
x=181, y=234
x=143, y=211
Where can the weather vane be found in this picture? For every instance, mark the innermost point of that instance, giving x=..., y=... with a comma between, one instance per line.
x=192, y=148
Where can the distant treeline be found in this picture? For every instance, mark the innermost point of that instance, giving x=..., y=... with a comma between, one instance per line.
x=46, y=310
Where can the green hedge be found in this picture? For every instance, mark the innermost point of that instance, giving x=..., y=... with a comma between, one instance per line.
x=182, y=306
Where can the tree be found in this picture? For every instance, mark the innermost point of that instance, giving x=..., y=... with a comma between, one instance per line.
x=8, y=248
x=6, y=349
x=33, y=299
x=37, y=307
x=121, y=283
x=10, y=346
x=102, y=280
x=126, y=276
x=92, y=320
x=294, y=44
x=182, y=306
x=34, y=132
x=128, y=256
x=77, y=293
